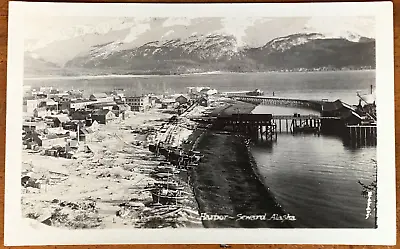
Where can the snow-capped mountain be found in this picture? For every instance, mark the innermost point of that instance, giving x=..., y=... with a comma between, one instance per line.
x=199, y=53
x=209, y=47
x=129, y=51
x=195, y=53
x=287, y=42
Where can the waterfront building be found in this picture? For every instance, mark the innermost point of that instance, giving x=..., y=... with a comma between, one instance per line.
x=101, y=97
x=139, y=103
x=256, y=92
x=208, y=91
x=336, y=108
x=102, y=106
x=78, y=104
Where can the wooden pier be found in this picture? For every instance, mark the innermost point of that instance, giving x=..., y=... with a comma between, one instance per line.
x=256, y=126
x=362, y=135
x=336, y=118
x=282, y=123
x=299, y=123
x=279, y=101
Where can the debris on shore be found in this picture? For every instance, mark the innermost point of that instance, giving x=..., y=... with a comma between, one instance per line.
x=119, y=183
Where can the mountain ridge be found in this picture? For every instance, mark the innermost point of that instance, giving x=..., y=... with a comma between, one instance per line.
x=220, y=52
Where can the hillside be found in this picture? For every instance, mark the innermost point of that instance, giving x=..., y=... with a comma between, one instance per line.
x=218, y=52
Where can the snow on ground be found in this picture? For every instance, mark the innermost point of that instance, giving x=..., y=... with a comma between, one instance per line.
x=86, y=192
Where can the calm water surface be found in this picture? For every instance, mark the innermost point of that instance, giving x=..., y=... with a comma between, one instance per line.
x=316, y=179
x=307, y=85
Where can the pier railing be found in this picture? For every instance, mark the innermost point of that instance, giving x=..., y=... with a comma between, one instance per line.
x=279, y=101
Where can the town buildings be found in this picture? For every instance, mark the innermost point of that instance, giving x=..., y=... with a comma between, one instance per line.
x=55, y=120
x=139, y=103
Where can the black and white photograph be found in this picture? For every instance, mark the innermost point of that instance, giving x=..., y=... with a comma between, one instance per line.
x=165, y=120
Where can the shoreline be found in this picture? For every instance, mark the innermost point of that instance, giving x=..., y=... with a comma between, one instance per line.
x=254, y=165
x=240, y=150
x=105, y=76
x=228, y=170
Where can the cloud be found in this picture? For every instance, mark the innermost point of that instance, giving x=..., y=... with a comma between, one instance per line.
x=342, y=26
x=136, y=31
x=238, y=27
x=42, y=30
x=172, y=21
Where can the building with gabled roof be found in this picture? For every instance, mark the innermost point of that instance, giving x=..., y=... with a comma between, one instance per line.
x=336, y=108
x=181, y=99
x=103, y=116
x=101, y=97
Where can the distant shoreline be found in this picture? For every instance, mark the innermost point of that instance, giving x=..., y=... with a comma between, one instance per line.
x=83, y=77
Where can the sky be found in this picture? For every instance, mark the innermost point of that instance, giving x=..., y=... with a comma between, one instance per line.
x=41, y=31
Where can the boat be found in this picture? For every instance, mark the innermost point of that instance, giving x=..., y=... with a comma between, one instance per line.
x=167, y=196
x=305, y=129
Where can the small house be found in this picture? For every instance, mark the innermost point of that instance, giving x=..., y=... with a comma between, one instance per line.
x=41, y=112
x=103, y=116
x=54, y=140
x=83, y=133
x=203, y=101
x=167, y=103
x=80, y=115
x=60, y=120
x=121, y=108
x=181, y=100
x=94, y=126
x=33, y=126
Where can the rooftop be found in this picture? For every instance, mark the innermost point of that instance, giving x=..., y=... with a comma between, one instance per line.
x=99, y=95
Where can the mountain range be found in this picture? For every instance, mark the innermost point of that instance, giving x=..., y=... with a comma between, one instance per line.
x=204, y=53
